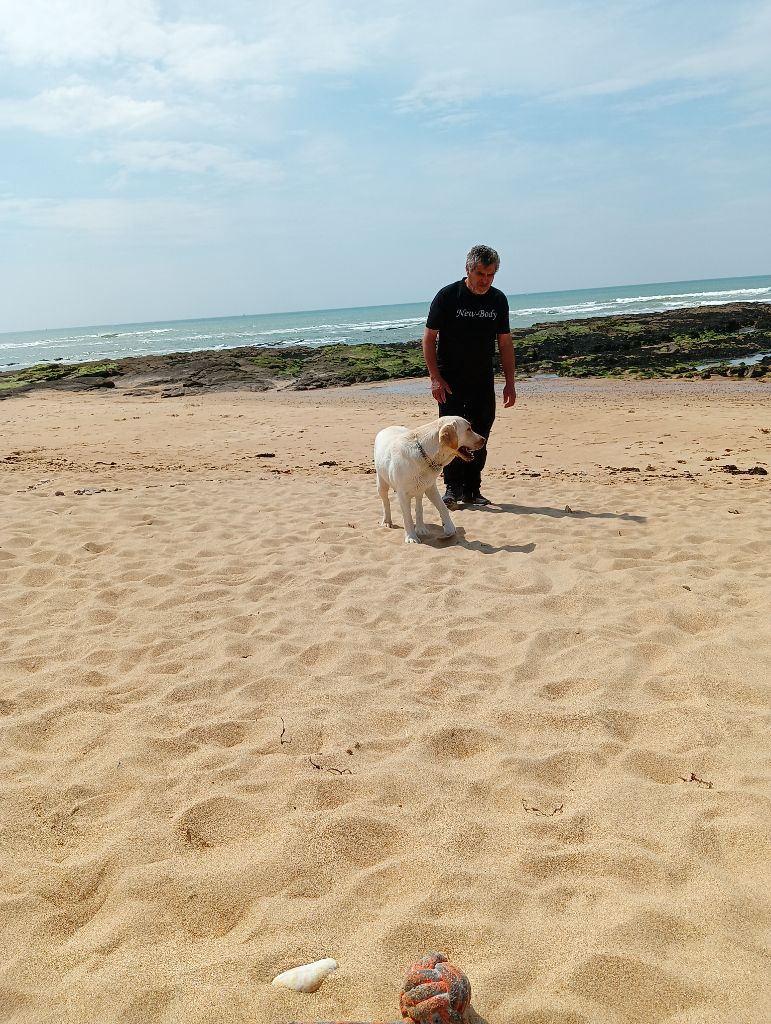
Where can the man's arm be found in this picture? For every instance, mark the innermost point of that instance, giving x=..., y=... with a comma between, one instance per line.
x=506, y=350
x=439, y=386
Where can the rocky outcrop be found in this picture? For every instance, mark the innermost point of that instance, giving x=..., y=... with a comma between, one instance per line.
x=671, y=343
x=652, y=344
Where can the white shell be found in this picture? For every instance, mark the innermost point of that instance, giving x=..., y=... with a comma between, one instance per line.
x=307, y=977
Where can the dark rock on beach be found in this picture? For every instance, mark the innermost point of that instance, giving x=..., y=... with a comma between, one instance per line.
x=245, y=368
x=664, y=344
x=674, y=343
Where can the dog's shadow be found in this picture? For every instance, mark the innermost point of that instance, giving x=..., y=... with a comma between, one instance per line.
x=438, y=540
x=490, y=549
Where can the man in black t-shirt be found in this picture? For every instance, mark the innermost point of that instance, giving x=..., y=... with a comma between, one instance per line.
x=464, y=323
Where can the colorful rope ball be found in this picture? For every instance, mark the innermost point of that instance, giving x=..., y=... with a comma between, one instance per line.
x=435, y=992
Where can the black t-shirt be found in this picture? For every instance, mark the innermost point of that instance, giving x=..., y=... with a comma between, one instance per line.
x=468, y=326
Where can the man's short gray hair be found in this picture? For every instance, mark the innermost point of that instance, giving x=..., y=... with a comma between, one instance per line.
x=482, y=254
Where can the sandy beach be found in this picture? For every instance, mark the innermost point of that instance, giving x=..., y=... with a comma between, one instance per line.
x=244, y=728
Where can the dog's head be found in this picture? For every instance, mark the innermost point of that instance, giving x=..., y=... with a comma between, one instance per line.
x=457, y=434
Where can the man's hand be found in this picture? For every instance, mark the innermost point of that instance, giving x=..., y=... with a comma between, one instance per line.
x=506, y=350
x=440, y=389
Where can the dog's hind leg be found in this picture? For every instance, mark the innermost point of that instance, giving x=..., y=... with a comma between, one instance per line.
x=434, y=497
x=383, y=489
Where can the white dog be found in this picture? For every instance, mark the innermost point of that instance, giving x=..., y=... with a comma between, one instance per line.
x=410, y=461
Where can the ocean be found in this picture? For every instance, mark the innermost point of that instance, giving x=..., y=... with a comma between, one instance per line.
x=374, y=324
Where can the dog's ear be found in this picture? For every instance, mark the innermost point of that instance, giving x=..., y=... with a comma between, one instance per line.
x=448, y=436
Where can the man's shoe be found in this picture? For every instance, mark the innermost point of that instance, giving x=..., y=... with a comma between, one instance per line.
x=476, y=498
x=452, y=497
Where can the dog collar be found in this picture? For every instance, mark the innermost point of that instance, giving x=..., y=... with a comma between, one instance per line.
x=434, y=465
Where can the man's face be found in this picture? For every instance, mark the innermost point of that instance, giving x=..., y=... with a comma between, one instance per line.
x=480, y=278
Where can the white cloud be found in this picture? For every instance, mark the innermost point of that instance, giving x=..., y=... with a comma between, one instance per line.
x=527, y=49
x=662, y=100
x=190, y=158
x=742, y=50
x=453, y=54
x=567, y=50
x=312, y=36
x=158, y=220
x=78, y=108
x=62, y=32
x=266, y=42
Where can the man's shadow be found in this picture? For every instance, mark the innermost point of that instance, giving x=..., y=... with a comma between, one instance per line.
x=436, y=539
x=559, y=513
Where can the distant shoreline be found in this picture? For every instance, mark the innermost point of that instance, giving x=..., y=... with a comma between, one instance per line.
x=734, y=337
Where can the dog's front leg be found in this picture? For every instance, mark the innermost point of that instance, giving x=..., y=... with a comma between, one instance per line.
x=410, y=536
x=420, y=527
x=434, y=497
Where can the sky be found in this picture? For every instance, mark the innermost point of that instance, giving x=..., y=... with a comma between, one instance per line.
x=166, y=159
